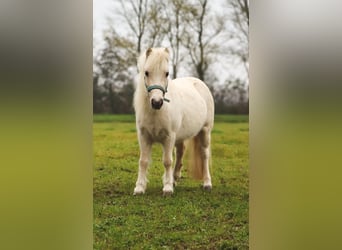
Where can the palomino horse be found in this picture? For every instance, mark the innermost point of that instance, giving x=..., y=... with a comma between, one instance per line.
x=169, y=112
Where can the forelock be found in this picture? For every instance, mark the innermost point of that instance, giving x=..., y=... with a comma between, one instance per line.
x=157, y=58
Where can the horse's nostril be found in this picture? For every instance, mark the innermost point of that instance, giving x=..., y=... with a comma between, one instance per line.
x=156, y=104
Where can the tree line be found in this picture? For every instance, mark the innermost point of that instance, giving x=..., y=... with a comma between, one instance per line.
x=203, y=42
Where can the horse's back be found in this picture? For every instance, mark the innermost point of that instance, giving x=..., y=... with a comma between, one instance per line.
x=193, y=104
x=190, y=88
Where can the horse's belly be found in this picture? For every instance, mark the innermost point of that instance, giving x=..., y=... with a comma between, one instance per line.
x=191, y=125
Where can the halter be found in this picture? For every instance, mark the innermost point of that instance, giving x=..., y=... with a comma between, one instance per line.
x=152, y=87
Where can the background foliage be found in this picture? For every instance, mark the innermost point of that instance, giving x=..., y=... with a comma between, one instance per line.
x=207, y=41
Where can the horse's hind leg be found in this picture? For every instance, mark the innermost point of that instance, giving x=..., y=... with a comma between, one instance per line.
x=205, y=155
x=179, y=155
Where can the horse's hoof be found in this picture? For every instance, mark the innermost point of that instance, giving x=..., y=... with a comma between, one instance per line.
x=168, y=190
x=138, y=191
x=207, y=188
x=167, y=193
x=177, y=177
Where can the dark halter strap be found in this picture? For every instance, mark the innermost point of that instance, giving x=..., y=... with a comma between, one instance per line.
x=152, y=87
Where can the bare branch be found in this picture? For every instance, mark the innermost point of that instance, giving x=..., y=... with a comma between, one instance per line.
x=128, y=18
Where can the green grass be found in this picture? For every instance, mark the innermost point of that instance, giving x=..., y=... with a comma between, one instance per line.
x=191, y=218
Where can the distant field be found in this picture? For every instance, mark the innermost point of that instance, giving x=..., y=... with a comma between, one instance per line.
x=191, y=218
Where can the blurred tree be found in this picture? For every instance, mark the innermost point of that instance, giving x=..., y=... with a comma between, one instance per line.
x=233, y=95
x=156, y=24
x=177, y=15
x=240, y=24
x=114, y=65
x=145, y=22
x=135, y=15
x=98, y=94
x=200, y=38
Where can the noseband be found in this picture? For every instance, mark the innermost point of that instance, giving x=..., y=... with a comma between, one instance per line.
x=152, y=87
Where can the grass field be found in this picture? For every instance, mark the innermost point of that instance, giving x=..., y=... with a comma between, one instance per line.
x=191, y=218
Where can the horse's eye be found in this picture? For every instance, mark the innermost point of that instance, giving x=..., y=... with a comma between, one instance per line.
x=167, y=74
x=146, y=73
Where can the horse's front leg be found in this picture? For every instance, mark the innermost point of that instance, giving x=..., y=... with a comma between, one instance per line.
x=145, y=152
x=167, y=160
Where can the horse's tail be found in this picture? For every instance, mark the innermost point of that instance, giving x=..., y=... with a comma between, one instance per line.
x=195, y=165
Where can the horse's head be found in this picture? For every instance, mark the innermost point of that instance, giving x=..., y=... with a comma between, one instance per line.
x=156, y=71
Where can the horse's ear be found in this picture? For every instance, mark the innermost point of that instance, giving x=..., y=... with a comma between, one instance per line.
x=148, y=52
x=167, y=50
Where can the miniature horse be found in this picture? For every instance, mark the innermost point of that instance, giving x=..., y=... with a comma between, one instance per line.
x=169, y=112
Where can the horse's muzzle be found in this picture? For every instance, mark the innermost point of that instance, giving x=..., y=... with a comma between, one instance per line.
x=157, y=104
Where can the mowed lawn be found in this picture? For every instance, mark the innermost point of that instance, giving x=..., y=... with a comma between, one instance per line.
x=189, y=219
